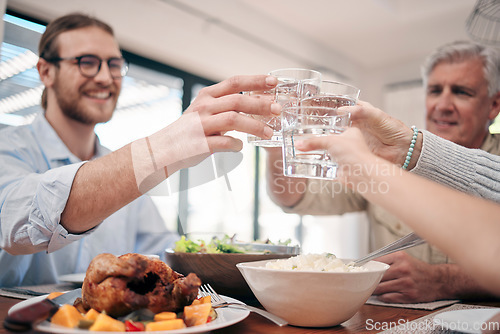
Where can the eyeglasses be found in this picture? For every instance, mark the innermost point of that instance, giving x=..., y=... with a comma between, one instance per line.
x=90, y=65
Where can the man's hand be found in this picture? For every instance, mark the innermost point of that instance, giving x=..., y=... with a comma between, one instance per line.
x=221, y=108
x=409, y=280
x=202, y=129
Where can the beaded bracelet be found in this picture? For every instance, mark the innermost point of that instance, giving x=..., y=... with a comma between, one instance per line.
x=412, y=145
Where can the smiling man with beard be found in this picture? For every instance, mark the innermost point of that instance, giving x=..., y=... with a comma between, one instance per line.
x=462, y=82
x=64, y=198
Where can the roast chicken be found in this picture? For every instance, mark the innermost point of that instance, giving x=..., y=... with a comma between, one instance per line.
x=120, y=285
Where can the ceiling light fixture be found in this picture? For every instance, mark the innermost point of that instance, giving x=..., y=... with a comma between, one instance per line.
x=25, y=99
x=18, y=64
x=483, y=24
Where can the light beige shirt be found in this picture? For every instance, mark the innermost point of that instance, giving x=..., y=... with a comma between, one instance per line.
x=329, y=198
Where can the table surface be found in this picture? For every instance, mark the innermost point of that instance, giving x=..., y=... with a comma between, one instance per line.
x=362, y=322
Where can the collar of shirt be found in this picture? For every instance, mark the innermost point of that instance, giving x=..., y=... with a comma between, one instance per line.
x=491, y=143
x=54, y=147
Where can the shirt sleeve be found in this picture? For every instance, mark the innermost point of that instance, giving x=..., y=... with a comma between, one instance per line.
x=322, y=197
x=473, y=171
x=31, y=207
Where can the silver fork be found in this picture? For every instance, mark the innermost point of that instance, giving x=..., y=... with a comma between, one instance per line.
x=409, y=240
x=218, y=302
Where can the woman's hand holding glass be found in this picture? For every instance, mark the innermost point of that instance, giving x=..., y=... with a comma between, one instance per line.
x=386, y=136
x=349, y=149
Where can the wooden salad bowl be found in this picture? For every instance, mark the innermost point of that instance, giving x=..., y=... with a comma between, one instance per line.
x=219, y=270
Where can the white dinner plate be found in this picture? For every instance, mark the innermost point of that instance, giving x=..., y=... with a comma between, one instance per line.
x=225, y=317
x=465, y=321
x=73, y=278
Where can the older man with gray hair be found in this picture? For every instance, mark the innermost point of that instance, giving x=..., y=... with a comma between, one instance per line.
x=462, y=82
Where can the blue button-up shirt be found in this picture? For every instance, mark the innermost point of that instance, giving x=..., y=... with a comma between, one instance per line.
x=36, y=174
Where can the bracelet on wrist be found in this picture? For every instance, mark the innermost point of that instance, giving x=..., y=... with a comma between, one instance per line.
x=412, y=146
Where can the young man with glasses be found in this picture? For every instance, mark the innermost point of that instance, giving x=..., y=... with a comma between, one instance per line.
x=63, y=197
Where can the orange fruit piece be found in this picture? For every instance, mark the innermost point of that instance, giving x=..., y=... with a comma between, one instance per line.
x=67, y=316
x=165, y=325
x=105, y=323
x=195, y=315
x=165, y=316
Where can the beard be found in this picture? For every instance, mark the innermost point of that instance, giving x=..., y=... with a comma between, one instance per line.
x=71, y=106
x=70, y=110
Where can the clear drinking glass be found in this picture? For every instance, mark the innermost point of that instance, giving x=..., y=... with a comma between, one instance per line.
x=294, y=84
x=332, y=94
x=317, y=115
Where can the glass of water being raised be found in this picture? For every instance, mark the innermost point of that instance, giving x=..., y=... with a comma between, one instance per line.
x=317, y=115
x=294, y=85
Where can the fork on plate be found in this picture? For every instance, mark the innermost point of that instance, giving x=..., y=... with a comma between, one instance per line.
x=218, y=302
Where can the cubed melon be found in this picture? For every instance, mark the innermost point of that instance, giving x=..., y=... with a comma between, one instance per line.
x=165, y=325
x=165, y=316
x=105, y=323
x=67, y=316
x=195, y=315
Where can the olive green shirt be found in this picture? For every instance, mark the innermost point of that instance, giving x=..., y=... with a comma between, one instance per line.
x=330, y=198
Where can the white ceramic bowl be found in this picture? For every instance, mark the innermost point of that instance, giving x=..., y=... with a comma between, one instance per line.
x=312, y=298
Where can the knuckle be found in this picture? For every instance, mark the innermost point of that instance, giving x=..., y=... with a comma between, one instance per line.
x=230, y=118
x=388, y=298
x=405, y=269
x=204, y=91
x=228, y=144
x=201, y=106
x=408, y=283
x=399, y=255
x=236, y=102
x=234, y=81
x=412, y=294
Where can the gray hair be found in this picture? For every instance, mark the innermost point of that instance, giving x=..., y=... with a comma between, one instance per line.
x=460, y=51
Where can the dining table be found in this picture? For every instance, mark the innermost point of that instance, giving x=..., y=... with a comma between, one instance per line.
x=369, y=319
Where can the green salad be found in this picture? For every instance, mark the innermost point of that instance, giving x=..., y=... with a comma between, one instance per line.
x=216, y=245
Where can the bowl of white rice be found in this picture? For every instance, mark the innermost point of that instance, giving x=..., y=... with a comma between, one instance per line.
x=312, y=290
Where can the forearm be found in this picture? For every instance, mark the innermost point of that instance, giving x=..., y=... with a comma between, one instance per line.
x=467, y=170
x=413, y=194
x=453, y=221
x=104, y=185
x=100, y=187
x=460, y=285
x=284, y=191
